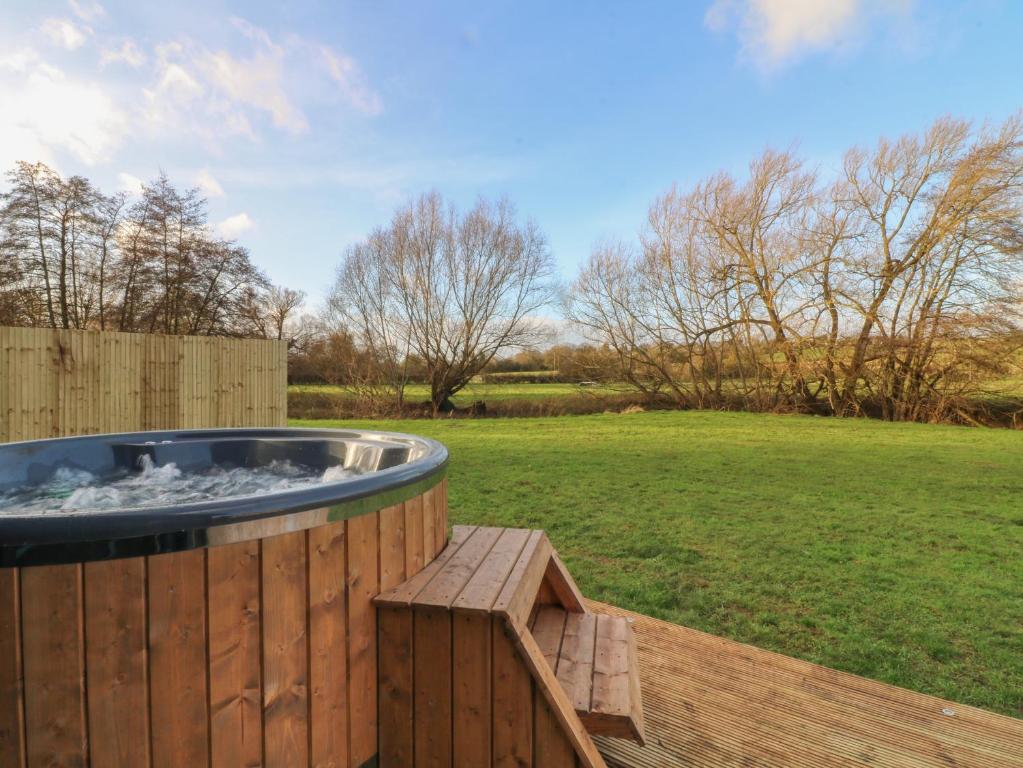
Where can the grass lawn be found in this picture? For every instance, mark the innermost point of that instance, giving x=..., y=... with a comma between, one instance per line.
x=893, y=551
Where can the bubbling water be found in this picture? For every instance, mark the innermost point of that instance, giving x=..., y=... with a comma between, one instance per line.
x=74, y=491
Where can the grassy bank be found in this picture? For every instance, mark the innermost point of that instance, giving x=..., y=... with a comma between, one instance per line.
x=888, y=550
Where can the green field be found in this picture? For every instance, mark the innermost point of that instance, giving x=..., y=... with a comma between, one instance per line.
x=893, y=551
x=486, y=392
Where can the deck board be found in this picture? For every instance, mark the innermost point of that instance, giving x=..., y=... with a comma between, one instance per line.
x=715, y=703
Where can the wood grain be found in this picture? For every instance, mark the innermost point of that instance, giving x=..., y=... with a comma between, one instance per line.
x=177, y=659
x=328, y=644
x=432, y=676
x=117, y=662
x=12, y=704
x=285, y=663
x=395, y=686
x=363, y=586
x=54, y=664
x=235, y=648
x=471, y=692
x=512, y=702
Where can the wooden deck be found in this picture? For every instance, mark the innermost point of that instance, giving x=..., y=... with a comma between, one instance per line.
x=715, y=703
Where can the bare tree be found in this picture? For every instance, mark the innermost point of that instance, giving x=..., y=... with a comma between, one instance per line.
x=452, y=290
x=895, y=289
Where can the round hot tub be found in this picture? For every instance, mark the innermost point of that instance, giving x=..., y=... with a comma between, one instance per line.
x=204, y=597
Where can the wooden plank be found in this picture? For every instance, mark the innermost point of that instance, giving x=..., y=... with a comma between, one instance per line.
x=449, y=581
x=552, y=750
x=403, y=594
x=392, y=546
x=546, y=682
x=636, y=720
x=486, y=583
x=395, y=686
x=429, y=526
x=328, y=662
x=512, y=702
x=116, y=655
x=236, y=694
x=575, y=664
x=442, y=511
x=611, y=667
x=12, y=702
x=415, y=557
x=285, y=699
x=363, y=565
x=177, y=660
x=471, y=693
x=54, y=665
x=564, y=586
x=432, y=698
x=516, y=598
x=548, y=629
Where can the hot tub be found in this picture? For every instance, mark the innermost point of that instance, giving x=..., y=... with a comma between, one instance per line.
x=221, y=621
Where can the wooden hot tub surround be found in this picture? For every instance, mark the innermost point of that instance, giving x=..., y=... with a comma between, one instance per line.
x=257, y=651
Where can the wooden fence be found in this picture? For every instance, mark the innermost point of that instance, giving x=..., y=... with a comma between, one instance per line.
x=57, y=382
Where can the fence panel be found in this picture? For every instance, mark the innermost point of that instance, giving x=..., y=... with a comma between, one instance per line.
x=60, y=382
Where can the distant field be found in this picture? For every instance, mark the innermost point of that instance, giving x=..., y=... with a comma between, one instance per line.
x=888, y=550
x=486, y=392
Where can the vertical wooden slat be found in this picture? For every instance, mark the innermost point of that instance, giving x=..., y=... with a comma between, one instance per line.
x=12, y=703
x=414, y=552
x=285, y=664
x=552, y=748
x=177, y=660
x=395, y=686
x=392, y=546
x=328, y=668
x=429, y=526
x=116, y=662
x=471, y=645
x=54, y=664
x=236, y=721
x=363, y=569
x=431, y=630
x=512, y=703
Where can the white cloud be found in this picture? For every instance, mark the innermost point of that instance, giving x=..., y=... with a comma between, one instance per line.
x=128, y=183
x=87, y=10
x=208, y=184
x=773, y=33
x=40, y=99
x=65, y=33
x=129, y=53
x=344, y=71
x=235, y=225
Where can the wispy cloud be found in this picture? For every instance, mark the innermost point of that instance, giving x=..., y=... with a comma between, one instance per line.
x=65, y=33
x=127, y=53
x=87, y=11
x=345, y=72
x=126, y=182
x=775, y=33
x=235, y=225
x=208, y=184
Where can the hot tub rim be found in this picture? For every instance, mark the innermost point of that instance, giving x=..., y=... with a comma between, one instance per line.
x=56, y=539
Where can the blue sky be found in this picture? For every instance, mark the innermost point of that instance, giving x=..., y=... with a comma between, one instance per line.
x=306, y=123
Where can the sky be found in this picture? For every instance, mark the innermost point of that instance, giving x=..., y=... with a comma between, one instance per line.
x=306, y=123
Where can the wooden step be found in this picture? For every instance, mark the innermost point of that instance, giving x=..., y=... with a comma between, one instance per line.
x=516, y=575
x=594, y=659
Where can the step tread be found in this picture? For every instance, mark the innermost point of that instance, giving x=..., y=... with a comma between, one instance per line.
x=594, y=659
